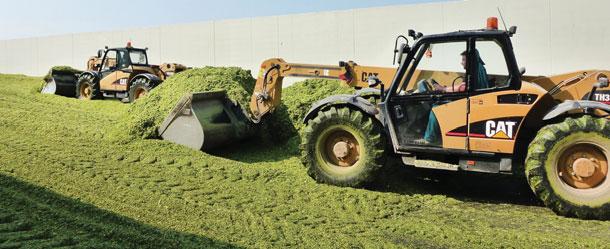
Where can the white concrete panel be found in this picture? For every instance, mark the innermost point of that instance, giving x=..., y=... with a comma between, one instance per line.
x=141, y=38
x=55, y=50
x=554, y=36
x=346, y=35
x=322, y=38
x=87, y=44
x=22, y=57
x=189, y=44
x=580, y=38
x=3, y=57
x=232, y=43
x=531, y=43
x=377, y=28
x=265, y=40
x=285, y=37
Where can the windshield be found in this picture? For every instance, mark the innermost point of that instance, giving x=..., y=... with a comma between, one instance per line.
x=138, y=57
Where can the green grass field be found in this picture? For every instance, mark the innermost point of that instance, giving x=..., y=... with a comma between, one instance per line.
x=64, y=184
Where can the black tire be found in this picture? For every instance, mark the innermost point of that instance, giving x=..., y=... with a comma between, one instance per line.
x=333, y=126
x=91, y=84
x=551, y=167
x=139, y=86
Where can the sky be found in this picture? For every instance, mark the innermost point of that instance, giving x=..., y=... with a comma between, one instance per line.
x=34, y=18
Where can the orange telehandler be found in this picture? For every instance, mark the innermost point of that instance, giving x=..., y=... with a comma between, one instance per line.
x=554, y=130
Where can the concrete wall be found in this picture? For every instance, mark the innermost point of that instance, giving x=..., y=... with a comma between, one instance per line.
x=554, y=36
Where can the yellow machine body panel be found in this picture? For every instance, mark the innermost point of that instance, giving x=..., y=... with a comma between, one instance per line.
x=486, y=122
x=573, y=86
x=453, y=115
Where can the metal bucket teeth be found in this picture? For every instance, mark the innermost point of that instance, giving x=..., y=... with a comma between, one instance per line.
x=204, y=121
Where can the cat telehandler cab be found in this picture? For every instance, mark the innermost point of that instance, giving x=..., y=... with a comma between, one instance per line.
x=122, y=73
x=483, y=115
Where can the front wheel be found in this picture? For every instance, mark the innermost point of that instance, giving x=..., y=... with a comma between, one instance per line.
x=139, y=88
x=343, y=147
x=87, y=88
x=567, y=167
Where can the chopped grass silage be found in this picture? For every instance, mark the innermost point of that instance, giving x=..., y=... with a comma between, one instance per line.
x=66, y=69
x=148, y=193
x=146, y=115
x=300, y=96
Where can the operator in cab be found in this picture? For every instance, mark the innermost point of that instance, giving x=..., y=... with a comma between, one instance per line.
x=432, y=133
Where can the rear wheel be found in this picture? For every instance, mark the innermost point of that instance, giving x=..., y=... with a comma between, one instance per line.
x=87, y=88
x=139, y=88
x=343, y=147
x=567, y=167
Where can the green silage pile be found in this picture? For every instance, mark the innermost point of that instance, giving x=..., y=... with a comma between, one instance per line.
x=146, y=115
x=68, y=69
x=62, y=185
x=300, y=96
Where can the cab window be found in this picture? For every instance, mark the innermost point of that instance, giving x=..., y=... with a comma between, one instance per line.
x=123, y=59
x=110, y=62
x=440, y=68
x=138, y=57
x=491, y=67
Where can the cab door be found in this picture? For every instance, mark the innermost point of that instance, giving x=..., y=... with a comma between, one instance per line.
x=107, y=71
x=422, y=114
x=116, y=71
x=496, y=109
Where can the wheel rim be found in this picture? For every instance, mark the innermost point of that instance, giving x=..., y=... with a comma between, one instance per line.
x=582, y=166
x=86, y=91
x=140, y=92
x=339, y=148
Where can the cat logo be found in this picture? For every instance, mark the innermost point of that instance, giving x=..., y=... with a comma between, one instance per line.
x=500, y=129
x=365, y=76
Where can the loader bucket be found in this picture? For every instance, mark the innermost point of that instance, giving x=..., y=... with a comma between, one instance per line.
x=61, y=83
x=205, y=121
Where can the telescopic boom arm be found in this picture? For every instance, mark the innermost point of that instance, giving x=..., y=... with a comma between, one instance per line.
x=268, y=90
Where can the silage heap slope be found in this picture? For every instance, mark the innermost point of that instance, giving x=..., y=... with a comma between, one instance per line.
x=253, y=197
x=145, y=115
x=300, y=96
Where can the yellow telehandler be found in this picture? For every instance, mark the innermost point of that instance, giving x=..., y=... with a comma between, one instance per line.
x=122, y=73
x=483, y=115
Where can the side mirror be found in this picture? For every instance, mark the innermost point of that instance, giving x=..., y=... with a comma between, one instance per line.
x=100, y=53
x=415, y=35
x=602, y=82
x=522, y=71
x=401, y=52
x=512, y=30
x=411, y=33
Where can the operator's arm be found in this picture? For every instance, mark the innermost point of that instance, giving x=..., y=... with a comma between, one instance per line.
x=451, y=89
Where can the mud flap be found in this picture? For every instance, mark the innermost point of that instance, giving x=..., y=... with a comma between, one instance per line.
x=205, y=121
x=61, y=83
